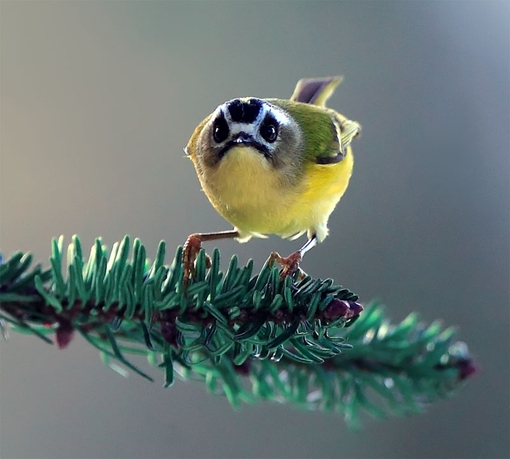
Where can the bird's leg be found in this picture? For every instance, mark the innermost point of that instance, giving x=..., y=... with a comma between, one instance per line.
x=193, y=245
x=291, y=263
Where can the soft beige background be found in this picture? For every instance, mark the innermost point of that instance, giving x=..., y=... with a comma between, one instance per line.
x=98, y=98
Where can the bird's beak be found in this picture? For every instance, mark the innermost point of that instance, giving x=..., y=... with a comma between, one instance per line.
x=245, y=140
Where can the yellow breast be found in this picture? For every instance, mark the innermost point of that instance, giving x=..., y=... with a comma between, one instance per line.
x=248, y=192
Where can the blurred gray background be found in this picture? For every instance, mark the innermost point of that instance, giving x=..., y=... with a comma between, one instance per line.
x=98, y=100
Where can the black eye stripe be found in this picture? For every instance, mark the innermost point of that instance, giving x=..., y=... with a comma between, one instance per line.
x=244, y=111
x=270, y=119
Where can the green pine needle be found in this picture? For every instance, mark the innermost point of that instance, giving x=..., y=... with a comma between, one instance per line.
x=249, y=337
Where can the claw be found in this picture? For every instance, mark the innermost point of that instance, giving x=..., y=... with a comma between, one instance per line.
x=192, y=247
x=290, y=264
x=189, y=254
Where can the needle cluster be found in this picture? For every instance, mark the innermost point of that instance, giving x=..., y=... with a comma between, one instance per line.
x=248, y=336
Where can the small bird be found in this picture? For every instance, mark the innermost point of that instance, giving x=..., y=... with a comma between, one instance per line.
x=273, y=166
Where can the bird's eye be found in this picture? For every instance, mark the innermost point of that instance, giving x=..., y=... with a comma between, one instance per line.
x=220, y=130
x=269, y=130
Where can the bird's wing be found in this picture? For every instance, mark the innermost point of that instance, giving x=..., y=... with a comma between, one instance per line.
x=345, y=131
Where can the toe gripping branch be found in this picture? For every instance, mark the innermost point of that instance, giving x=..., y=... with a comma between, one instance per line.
x=193, y=245
x=290, y=265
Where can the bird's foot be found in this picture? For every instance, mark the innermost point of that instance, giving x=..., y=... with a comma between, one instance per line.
x=190, y=251
x=289, y=264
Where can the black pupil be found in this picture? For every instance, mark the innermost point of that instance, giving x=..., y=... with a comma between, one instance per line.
x=269, y=131
x=220, y=129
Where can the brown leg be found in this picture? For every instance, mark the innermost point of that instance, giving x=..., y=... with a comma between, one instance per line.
x=291, y=263
x=193, y=245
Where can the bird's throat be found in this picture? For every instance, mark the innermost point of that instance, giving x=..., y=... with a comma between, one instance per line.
x=244, y=183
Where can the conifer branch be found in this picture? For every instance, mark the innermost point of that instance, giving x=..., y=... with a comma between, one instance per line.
x=250, y=337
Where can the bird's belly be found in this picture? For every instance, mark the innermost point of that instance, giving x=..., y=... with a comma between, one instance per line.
x=249, y=193
x=254, y=197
